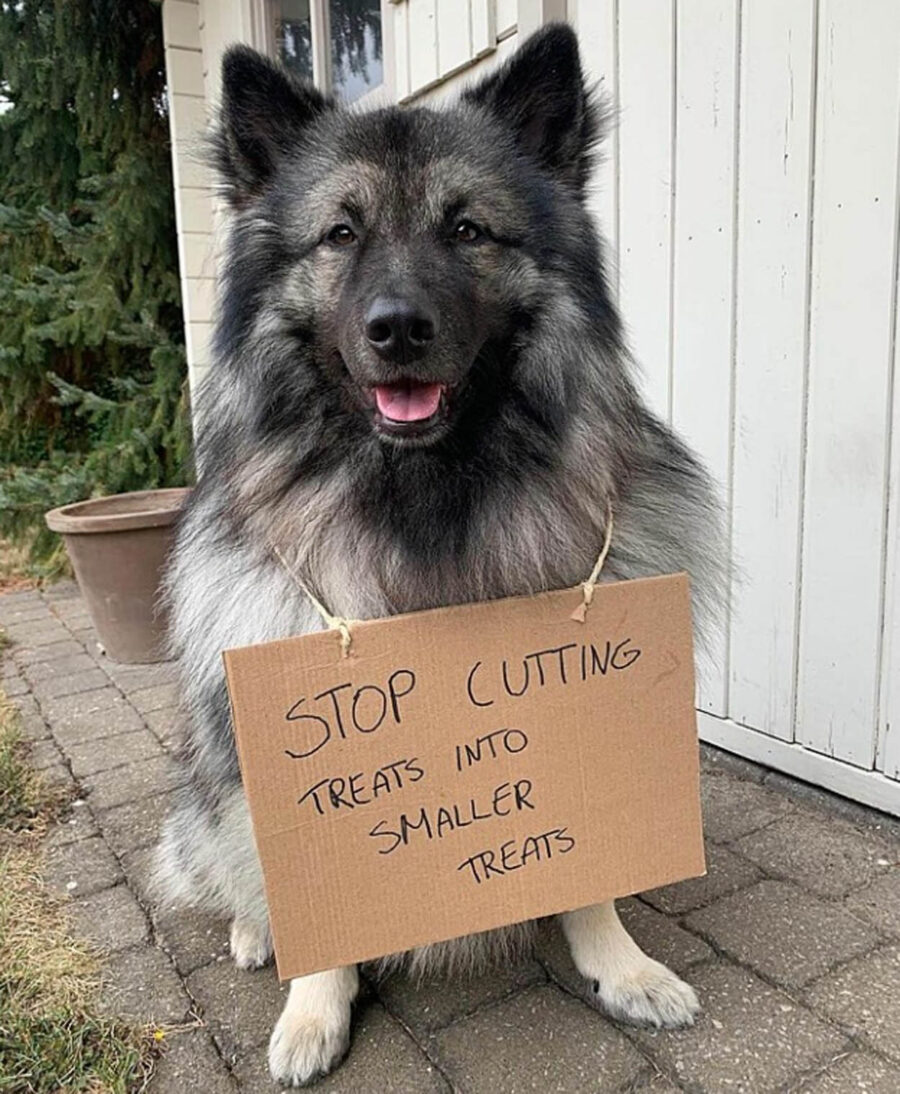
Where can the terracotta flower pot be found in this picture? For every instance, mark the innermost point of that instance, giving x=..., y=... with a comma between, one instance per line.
x=118, y=546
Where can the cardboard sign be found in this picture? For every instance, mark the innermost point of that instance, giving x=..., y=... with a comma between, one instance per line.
x=469, y=767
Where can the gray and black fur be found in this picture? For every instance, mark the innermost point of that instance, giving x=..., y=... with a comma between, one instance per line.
x=508, y=493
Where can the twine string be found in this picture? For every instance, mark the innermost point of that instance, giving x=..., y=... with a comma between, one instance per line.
x=342, y=626
x=333, y=622
x=587, y=587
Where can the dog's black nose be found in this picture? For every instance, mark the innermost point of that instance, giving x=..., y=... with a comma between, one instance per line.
x=400, y=329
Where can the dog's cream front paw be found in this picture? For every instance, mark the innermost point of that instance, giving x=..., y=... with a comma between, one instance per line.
x=306, y=1046
x=648, y=994
x=251, y=943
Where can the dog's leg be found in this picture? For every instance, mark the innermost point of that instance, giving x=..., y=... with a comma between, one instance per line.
x=627, y=983
x=251, y=941
x=313, y=1032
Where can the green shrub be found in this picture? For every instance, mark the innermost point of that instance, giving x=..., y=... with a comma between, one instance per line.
x=92, y=366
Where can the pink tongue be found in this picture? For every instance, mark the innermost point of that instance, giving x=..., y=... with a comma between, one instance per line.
x=408, y=401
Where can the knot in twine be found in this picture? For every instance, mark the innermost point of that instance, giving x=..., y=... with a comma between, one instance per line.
x=333, y=622
x=587, y=587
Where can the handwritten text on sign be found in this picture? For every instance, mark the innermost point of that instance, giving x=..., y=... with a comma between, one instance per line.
x=469, y=767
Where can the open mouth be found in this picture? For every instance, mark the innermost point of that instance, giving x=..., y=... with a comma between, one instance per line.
x=409, y=407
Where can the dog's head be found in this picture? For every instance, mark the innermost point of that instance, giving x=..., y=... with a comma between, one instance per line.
x=393, y=262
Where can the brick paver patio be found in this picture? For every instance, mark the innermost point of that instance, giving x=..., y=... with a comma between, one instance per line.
x=792, y=941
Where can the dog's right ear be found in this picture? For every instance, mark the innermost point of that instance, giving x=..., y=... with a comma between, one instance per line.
x=541, y=96
x=264, y=112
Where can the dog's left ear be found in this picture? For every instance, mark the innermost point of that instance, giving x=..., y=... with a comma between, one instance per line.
x=540, y=92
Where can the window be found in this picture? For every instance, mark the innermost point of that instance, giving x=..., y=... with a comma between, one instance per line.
x=336, y=43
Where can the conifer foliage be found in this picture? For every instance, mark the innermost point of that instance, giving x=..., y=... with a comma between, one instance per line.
x=92, y=365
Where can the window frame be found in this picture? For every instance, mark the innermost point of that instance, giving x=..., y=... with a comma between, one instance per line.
x=262, y=25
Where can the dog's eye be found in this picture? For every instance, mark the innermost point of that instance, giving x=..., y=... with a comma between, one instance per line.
x=342, y=235
x=467, y=232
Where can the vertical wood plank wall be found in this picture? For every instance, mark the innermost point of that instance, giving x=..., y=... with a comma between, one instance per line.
x=751, y=196
x=187, y=92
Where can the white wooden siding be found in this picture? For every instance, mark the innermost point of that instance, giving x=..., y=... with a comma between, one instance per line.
x=645, y=167
x=438, y=40
x=776, y=96
x=597, y=24
x=888, y=754
x=751, y=196
x=702, y=289
x=851, y=335
x=182, y=24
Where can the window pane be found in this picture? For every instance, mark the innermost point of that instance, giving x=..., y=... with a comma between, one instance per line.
x=356, y=62
x=293, y=36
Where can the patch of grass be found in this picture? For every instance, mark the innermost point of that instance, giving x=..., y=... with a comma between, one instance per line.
x=14, y=568
x=26, y=801
x=53, y=1036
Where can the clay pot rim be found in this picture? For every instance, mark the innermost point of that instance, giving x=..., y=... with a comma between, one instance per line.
x=119, y=512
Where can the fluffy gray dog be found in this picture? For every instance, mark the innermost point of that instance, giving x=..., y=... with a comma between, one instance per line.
x=420, y=396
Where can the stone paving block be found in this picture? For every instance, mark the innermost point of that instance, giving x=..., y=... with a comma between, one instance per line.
x=193, y=938
x=65, y=589
x=240, y=1007
x=75, y=620
x=821, y=853
x=14, y=686
x=189, y=1062
x=733, y=807
x=431, y=1004
x=55, y=687
x=64, y=665
x=91, y=757
x=32, y=726
x=656, y=934
x=18, y=597
x=864, y=996
x=28, y=611
x=652, y=1082
x=44, y=754
x=37, y=634
x=726, y=873
x=715, y=761
x=8, y=668
x=140, y=871
x=78, y=825
x=166, y=723
x=879, y=903
x=135, y=824
x=788, y=935
x=60, y=777
x=87, y=636
x=383, y=1059
x=136, y=780
x=60, y=711
x=25, y=705
x=539, y=1040
x=139, y=677
x=111, y=920
x=72, y=612
x=149, y=699
x=815, y=799
x=93, y=725
x=855, y=1071
x=749, y=1036
x=83, y=868
x=141, y=986
x=37, y=655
